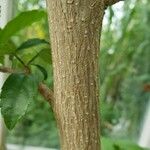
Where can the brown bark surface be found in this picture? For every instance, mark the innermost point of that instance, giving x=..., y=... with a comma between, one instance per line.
x=2, y=136
x=75, y=27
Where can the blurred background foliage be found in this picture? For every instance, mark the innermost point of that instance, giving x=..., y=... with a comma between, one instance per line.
x=124, y=72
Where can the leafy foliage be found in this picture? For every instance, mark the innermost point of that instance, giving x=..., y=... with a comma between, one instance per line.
x=16, y=100
x=45, y=55
x=43, y=70
x=7, y=48
x=124, y=70
x=110, y=144
x=31, y=43
x=16, y=96
x=22, y=21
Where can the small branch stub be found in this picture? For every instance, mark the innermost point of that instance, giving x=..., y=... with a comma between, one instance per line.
x=11, y=70
x=7, y=70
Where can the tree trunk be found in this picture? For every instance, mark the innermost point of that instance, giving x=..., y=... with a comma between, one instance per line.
x=2, y=141
x=75, y=27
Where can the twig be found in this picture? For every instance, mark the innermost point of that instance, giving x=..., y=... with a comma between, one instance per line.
x=46, y=92
x=11, y=70
x=7, y=70
x=43, y=89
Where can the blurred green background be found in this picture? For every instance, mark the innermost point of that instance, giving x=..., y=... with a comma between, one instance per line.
x=124, y=74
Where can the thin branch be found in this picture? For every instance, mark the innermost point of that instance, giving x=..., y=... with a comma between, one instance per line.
x=11, y=70
x=46, y=92
x=43, y=89
x=108, y=125
x=111, y=2
x=7, y=70
x=147, y=87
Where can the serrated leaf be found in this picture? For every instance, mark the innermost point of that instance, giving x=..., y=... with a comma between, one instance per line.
x=20, y=22
x=32, y=42
x=17, y=93
x=43, y=70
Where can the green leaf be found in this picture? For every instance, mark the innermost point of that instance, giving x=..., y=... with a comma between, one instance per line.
x=45, y=55
x=17, y=93
x=20, y=22
x=32, y=42
x=127, y=145
x=42, y=69
x=1, y=59
x=111, y=144
x=0, y=103
x=7, y=48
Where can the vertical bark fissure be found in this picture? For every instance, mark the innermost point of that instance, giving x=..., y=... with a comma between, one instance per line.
x=75, y=27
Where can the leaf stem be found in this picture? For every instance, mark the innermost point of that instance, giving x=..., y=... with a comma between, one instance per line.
x=30, y=61
x=21, y=61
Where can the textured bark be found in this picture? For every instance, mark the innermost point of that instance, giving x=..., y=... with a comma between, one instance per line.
x=75, y=27
x=2, y=141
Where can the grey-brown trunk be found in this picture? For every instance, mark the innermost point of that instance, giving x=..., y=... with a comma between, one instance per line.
x=75, y=27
